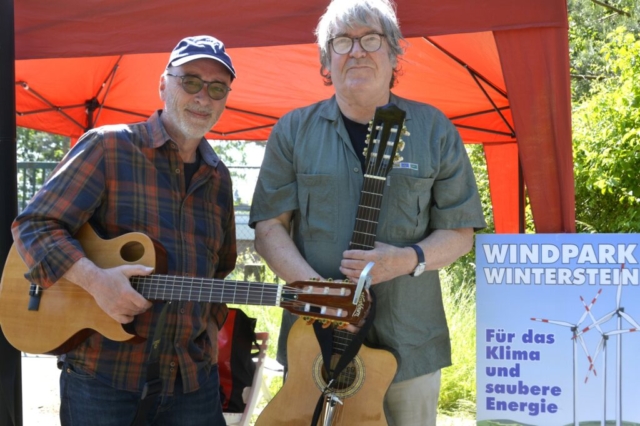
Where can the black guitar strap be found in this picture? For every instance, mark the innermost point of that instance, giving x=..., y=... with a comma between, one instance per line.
x=325, y=339
x=153, y=386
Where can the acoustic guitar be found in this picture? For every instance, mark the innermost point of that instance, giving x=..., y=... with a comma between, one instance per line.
x=66, y=314
x=360, y=388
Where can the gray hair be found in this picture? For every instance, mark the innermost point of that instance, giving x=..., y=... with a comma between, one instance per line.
x=351, y=13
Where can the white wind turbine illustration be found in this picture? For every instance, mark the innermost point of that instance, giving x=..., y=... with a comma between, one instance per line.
x=593, y=320
x=602, y=345
x=575, y=336
x=619, y=312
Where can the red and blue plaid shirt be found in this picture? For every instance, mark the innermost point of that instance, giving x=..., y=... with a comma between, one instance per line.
x=128, y=178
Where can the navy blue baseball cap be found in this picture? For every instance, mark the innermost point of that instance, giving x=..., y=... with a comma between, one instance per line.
x=192, y=48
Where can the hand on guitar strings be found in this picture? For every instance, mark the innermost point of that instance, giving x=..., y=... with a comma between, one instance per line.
x=111, y=288
x=390, y=262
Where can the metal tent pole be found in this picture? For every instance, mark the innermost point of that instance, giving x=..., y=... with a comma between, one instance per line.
x=10, y=367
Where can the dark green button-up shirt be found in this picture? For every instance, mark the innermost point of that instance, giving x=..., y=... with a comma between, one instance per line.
x=311, y=169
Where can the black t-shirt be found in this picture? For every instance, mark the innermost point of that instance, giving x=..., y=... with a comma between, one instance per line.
x=358, y=135
x=190, y=169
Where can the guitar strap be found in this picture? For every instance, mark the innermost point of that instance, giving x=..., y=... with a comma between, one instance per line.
x=325, y=339
x=153, y=386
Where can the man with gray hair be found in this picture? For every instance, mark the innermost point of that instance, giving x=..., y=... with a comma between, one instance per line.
x=306, y=200
x=162, y=178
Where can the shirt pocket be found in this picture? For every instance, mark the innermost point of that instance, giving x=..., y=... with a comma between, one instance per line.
x=317, y=198
x=406, y=206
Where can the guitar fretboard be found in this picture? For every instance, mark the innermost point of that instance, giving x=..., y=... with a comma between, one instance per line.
x=379, y=161
x=364, y=234
x=166, y=287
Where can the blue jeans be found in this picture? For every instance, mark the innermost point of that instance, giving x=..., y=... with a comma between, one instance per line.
x=86, y=401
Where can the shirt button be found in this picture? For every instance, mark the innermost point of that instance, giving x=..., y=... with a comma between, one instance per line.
x=182, y=311
x=173, y=364
x=177, y=171
x=356, y=169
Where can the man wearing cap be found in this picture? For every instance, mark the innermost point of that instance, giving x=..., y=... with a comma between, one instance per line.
x=162, y=178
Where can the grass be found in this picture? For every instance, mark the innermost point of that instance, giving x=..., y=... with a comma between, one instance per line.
x=458, y=387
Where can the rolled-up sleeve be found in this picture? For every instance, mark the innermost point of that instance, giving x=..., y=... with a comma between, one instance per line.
x=43, y=231
x=277, y=189
x=456, y=203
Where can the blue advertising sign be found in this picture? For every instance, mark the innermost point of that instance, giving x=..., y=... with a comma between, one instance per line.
x=557, y=316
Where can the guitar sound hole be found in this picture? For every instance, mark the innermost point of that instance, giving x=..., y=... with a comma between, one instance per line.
x=348, y=382
x=132, y=251
x=345, y=379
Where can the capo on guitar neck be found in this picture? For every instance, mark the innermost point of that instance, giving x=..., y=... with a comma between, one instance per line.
x=35, y=293
x=364, y=282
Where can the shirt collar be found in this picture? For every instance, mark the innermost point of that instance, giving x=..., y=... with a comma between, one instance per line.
x=331, y=111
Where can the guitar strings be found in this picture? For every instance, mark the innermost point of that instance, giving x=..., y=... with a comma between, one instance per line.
x=338, y=307
x=341, y=339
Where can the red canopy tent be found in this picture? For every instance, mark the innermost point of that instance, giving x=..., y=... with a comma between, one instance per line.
x=498, y=69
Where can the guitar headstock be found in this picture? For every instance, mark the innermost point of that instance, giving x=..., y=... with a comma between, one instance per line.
x=330, y=302
x=384, y=140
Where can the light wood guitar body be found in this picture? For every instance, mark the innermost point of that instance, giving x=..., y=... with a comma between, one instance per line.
x=363, y=385
x=67, y=314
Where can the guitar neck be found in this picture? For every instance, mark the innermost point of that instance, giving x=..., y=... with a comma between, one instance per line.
x=364, y=233
x=176, y=288
x=341, y=340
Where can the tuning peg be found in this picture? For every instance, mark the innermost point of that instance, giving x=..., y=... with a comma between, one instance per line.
x=401, y=145
x=325, y=323
x=365, y=150
x=370, y=128
x=308, y=320
x=397, y=159
x=405, y=132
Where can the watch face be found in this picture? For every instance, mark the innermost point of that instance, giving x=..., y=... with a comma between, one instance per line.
x=419, y=269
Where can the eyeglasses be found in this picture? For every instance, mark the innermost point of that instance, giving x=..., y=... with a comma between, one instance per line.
x=368, y=42
x=192, y=85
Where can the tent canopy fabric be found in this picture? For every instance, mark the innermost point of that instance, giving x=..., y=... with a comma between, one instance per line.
x=499, y=69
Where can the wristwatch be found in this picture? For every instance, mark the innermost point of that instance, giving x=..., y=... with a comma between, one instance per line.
x=421, y=263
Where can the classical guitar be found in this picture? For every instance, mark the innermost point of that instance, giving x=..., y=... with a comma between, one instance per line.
x=66, y=314
x=362, y=385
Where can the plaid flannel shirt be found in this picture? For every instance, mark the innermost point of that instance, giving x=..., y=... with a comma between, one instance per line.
x=131, y=178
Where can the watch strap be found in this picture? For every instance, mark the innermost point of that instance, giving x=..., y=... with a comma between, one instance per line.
x=420, y=254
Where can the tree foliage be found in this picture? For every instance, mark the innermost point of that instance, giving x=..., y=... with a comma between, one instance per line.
x=606, y=129
x=33, y=145
x=590, y=21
